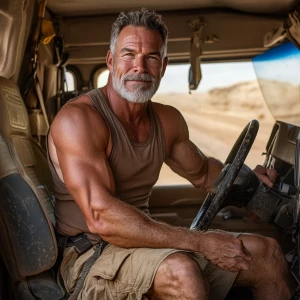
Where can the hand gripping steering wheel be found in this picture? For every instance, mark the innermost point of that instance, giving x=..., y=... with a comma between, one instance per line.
x=214, y=200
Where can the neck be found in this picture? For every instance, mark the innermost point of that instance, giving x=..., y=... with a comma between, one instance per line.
x=133, y=116
x=126, y=111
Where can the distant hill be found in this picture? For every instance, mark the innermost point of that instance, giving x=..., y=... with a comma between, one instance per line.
x=244, y=97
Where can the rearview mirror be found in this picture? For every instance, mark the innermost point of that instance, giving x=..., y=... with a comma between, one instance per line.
x=195, y=74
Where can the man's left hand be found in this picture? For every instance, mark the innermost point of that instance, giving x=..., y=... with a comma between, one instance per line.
x=267, y=176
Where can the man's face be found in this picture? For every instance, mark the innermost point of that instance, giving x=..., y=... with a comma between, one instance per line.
x=137, y=65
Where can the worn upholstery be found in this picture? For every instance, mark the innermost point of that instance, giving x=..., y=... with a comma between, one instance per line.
x=13, y=15
x=28, y=244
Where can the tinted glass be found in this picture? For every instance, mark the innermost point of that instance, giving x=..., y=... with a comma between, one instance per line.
x=278, y=73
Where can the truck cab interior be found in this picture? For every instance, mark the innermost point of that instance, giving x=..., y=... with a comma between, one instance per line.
x=44, y=41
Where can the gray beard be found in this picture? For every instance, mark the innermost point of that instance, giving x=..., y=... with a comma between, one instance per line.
x=141, y=93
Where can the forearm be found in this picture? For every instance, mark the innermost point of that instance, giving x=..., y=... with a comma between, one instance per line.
x=125, y=226
x=122, y=225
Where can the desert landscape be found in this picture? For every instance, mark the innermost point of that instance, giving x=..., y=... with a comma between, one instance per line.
x=217, y=117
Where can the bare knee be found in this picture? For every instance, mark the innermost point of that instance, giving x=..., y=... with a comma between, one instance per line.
x=179, y=266
x=273, y=250
x=267, y=254
x=268, y=275
x=265, y=248
x=179, y=277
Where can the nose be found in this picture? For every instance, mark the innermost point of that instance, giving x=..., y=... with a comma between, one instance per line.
x=140, y=64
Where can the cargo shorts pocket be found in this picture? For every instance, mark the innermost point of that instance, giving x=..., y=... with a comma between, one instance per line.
x=109, y=263
x=102, y=281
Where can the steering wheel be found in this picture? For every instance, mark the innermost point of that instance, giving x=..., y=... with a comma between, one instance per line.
x=214, y=200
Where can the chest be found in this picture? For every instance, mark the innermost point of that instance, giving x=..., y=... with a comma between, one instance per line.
x=138, y=133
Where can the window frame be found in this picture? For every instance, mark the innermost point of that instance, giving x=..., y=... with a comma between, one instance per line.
x=96, y=75
x=76, y=75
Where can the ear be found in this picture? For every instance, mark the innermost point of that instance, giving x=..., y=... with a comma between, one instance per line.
x=109, y=60
x=165, y=63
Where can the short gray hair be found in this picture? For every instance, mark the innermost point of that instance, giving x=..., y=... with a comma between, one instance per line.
x=141, y=18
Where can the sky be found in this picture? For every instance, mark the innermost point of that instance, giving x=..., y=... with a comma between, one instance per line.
x=213, y=75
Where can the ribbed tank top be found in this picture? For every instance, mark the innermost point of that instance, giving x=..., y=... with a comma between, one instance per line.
x=135, y=168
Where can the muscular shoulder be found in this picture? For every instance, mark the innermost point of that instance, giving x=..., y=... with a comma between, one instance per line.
x=173, y=123
x=165, y=109
x=79, y=123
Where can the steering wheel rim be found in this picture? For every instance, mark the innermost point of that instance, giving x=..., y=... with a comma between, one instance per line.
x=223, y=184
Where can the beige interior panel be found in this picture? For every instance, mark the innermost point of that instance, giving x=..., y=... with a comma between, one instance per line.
x=93, y=7
x=13, y=17
x=239, y=35
x=176, y=205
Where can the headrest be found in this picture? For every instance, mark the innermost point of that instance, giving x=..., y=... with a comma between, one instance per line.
x=13, y=16
x=13, y=113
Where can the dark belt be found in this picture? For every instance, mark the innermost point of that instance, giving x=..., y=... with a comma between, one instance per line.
x=81, y=243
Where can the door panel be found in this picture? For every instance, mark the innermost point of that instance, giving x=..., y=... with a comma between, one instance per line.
x=176, y=205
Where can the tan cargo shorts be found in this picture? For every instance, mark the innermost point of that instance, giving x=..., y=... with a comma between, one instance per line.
x=128, y=273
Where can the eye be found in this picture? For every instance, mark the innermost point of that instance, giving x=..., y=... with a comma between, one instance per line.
x=128, y=54
x=152, y=57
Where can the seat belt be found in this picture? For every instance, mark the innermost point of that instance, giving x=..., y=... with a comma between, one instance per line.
x=44, y=33
x=86, y=268
x=40, y=97
x=82, y=244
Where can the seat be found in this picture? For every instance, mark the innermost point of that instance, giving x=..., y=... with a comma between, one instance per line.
x=28, y=243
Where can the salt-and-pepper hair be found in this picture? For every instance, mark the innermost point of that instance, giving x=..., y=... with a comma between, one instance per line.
x=141, y=18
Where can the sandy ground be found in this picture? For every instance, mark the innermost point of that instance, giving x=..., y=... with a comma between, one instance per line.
x=216, y=119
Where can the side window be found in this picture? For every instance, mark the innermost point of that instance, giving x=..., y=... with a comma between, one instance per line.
x=70, y=81
x=101, y=78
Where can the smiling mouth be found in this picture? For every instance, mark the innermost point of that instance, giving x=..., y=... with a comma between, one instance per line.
x=138, y=80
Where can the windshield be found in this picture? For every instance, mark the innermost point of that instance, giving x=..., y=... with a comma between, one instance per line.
x=227, y=98
x=278, y=74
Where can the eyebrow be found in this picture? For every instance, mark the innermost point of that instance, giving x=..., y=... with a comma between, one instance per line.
x=154, y=53
x=126, y=50
x=132, y=50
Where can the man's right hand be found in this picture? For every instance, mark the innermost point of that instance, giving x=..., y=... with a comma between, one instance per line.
x=226, y=251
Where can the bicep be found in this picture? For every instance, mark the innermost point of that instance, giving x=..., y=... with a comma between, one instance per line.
x=184, y=157
x=83, y=162
x=83, y=171
x=186, y=160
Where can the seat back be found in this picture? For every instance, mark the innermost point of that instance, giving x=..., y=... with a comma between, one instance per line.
x=28, y=243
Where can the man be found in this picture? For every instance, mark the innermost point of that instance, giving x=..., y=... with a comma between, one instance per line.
x=106, y=149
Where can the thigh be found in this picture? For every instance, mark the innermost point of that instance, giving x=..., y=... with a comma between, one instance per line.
x=220, y=281
x=122, y=273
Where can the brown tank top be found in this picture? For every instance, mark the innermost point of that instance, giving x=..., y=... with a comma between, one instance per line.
x=135, y=168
